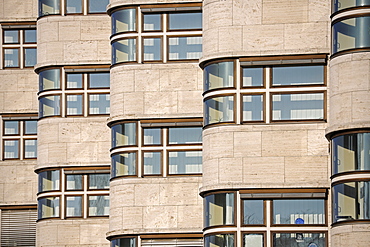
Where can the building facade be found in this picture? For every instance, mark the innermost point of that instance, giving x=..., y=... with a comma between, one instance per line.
x=185, y=123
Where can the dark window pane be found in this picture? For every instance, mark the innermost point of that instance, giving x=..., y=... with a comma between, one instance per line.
x=124, y=134
x=99, y=181
x=185, y=21
x=99, y=80
x=219, y=209
x=124, y=51
x=74, y=182
x=49, y=7
x=344, y=4
x=124, y=21
x=219, y=240
x=48, y=207
x=49, y=106
x=49, y=180
x=123, y=164
x=299, y=239
x=49, y=79
x=99, y=205
x=298, y=75
x=124, y=242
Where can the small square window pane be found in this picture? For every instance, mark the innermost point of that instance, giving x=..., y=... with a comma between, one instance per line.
x=30, y=127
x=30, y=57
x=98, y=6
x=11, y=149
x=152, y=49
x=11, y=36
x=252, y=107
x=252, y=77
x=253, y=240
x=74, y=104
x=99, y=104
x=74, y=6
x=152, y=22
x=11, y=127
x=152, y=163
x=152, y=136
x=184, y=48
x=99, y=80
x=74, y=81
x=30, y=149
x=99, y=181
x=74, y=206
x=98, y=205
x=74, y=182
x=30, y=36
x=253, y=212
x=11, y=58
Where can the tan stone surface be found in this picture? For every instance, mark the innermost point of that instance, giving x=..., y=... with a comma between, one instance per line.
x=18, y=9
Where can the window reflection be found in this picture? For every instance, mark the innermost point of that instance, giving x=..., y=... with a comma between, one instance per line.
x=152, y=163
x=123, y=134
x=219, y=240
x=49, y=79
x=298, y=239
x=73, y=6
x=49, y=180
x=185, y=21
x=99, y=80
x=73, y=206
x=99, y=181
x=49, y=7
x=123, y=20
x=184, y=48
x=74, y=182
x=98, y=6
x=253, y=77
x=297, y=75
x=185, y=135
x=219, y=209
x=219, y=75
x=185, y=162
x=152, y=22
x=219, y=109
x=344, y=4
x=48, y=207
x=124, y=51
x=124, y=164
x=253, y=212
x=152, y=136
x=99, y=205
x=253, y=240
x=124, y=242
x=11, y=149
x=253, y=107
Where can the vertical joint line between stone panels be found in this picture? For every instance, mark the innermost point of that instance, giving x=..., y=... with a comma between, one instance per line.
x=164, y=160
x=237, y=104
x=267, y=96
x=140, y=173
x=268, y=223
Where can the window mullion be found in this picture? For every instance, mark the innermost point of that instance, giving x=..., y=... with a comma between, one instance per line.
x=268, y=111
x=268, y=223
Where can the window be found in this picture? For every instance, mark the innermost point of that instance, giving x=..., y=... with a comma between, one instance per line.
x=219, y=209
x=73, y=6
x=168, y=34
x=53, y=7
x=49, y=7
x=19, y=46
x=84, y=193
x=265, y=91
x=345, y=4
x=219, y=240
x=123, y=242
x=163, y=150
x=85, y=94
x=159, y=240
x=19, y=138
x=97, y=6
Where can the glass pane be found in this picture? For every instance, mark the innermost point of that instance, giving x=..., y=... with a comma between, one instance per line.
x=152, y=163
x=298, y=239
x=49, y=180
x=185, y=135
x=99, y=181
x=74, y=182
x=49, y=7
x=152, y=49
x=152, y=136
x=253, y=240
x=74, y=104
x=185, y=21
x=73, y=206
x=301, y=211
x=152, y=22
x=74, y=6
x=99, y=80
x=349, y=34
x=185, y=162
x=124, y=51
x=30, y=57
x=252, y=107
x=30, y=149
x=123, y=164
x=48, y=207
x=124, y=21
x=219, y=209
x=344, y=4
x=347, y=200
x=49, y=79
x=252, y=77
x=30, y=36
x=219, y=75
x=124, y=242
x=297, y=75
x=11, y=36
x=49, y=106
x=74, y=81
x=123, y=134
x=11, y=58
x=30, y=127
x=253, y=211
x=11, y=127
x=363, y=195
x=305, y=106
x=183, y=48
x=99, y=104
x=219, y=240
x=351, y=152
x=219, y=109
x=98, y=205
x=11, y=149
x=98, y=6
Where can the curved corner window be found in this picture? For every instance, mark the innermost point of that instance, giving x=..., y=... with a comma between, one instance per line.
x=351, y=152
x=285, y=239
x=351, y=33
x=219, y=209
x=219, y=240
x=124, y=20
x=351, y=201
x=345, y=4
x=219, y=75
x=124, y=164
x=124, y=51
x=49, y=7
x=49, y=106
x=124, y=135
x=298, y=75
x=219, y=110
x=48, y=207
x=49, y=180
x=123, y=242
x=49, y=79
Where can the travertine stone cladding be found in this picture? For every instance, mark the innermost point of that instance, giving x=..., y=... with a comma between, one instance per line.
x=73, y=141
x=116, y=3
x=155, y=205
x=349, y=91
x=18, y=10
x=18, y=182
x=265, y=156
x=156, y=90
x=73, y=40
x=72, y=232
x=18, y=90
x=265, y=27
x=356, y=235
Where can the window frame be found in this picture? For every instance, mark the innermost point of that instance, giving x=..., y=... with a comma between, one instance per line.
x=24, y=148
x=263, y=94
x=169, y=36
x=66, y=104
x=73, y=13
x=115, y=167
x=233, y=121
x=161, y=156
x=181, y=174
x=264, y=234
x=264, y=213
x=88, y=206
x=66, y=206
x=160, y=60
